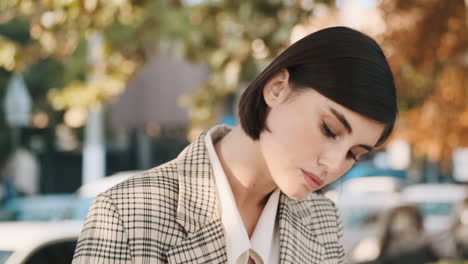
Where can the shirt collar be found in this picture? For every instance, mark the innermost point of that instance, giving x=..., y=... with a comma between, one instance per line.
x=263, y=236
x=237, y=240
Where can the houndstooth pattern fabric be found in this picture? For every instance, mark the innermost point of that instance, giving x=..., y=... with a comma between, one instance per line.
x=169, y=215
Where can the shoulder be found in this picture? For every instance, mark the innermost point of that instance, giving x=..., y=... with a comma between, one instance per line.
x=317, y=210
x=147, y=207
x=161, y=180
x=328, y=221
x=322, y=205
x=325, y=212
x=147, y=198
x=316, y=218
x=135, y=215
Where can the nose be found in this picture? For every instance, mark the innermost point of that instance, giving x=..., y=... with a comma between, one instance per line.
x=332, y=160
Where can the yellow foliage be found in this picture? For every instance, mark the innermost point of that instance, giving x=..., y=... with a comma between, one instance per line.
x=84, y=95
x=429, y=40
x=8, y=52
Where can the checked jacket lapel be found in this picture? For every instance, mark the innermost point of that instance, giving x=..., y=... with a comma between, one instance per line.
x=197, y=209
x=299, y=242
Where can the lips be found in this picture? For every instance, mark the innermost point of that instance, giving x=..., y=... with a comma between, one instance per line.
x=313, y=177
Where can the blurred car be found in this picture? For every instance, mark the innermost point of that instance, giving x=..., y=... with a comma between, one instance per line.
x=369, y=169
x=377, y=184
x=362, y=202
x=38, y=242
x=47, y=207
x=53, y=207
x=85, y=195
x=50, y=238
x=436, y=201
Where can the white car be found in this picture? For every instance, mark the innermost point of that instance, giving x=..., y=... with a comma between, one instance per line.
x=371, y=185
x=436, y=201
x=54, y=241
x=91, y=190
x=85, y=195
x=38, y=242
x=361, y=203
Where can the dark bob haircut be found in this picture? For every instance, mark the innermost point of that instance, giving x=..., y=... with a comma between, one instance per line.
x=340, y=63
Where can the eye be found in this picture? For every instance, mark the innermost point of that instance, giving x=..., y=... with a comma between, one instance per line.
x=327, y=132
x=350, y=155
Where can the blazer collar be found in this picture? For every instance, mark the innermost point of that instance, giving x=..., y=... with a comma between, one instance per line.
x=299, y=227
x=197, y=205
x=197, y=210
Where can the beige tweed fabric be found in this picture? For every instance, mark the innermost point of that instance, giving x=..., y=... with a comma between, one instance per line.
x=168, y=215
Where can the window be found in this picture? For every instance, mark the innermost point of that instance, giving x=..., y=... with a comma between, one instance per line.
x=56, y=252
x=4, y=256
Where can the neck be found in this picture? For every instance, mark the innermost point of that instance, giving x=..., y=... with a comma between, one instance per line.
x=245, y=169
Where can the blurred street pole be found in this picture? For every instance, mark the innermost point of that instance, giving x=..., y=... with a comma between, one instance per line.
x=143, y=149
x=94, y=155
x=17, y=107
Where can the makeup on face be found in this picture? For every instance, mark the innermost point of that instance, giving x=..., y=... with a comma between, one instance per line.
x=333, y=125
x=312, y=180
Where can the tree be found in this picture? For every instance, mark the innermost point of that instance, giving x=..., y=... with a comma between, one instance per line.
x=427, y=45
x=59, y=30
x=235, y=38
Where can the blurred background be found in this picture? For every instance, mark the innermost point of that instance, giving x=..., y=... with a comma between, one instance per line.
x=94, y=91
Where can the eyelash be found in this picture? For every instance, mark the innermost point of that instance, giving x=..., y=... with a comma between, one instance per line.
x=328, y=133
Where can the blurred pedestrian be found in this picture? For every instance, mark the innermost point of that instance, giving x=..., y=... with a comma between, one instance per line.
x=460, y=230
x=3, y=192
x=248, y=194
x=7, y=188
x=405, y=239
x=7, y=191
x=23, y=168
x=453, y=244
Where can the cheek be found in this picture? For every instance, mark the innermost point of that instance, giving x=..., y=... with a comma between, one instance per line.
x=293, y=138
x=345, y=168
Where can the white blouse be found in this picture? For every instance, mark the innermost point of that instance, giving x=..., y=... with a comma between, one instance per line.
x=263, y=247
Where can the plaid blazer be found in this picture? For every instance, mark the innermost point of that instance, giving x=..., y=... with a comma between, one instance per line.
x=169, y=215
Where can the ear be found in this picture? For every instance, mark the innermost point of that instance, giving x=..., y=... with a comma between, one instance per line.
x=277, y=89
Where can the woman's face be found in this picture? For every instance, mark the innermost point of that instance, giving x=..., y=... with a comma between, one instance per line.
x=312, y=140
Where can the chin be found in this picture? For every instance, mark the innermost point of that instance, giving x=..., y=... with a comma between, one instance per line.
x=298, y=195
x=297, y=198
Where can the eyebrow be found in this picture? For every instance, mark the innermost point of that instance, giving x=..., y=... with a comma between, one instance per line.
x=348, y=127
x=342, y=119
x=366, y=147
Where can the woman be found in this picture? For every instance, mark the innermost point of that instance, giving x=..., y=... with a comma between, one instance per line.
x=404, y=239
x=452, y=244
x=248, y=194
x=459, y=230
